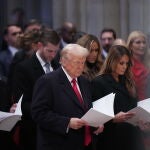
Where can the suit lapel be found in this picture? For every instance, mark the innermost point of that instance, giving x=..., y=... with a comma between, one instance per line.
x=37, y=66
x=67, y=88
x=83, y=92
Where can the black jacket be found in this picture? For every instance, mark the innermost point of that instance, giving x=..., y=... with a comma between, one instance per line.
x=117, y=136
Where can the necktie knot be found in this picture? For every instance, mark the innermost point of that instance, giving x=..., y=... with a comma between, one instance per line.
x=47, y=66
x=73, y=81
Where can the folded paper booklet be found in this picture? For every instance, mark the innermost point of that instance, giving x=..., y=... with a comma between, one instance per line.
x=142, y=112
x=8, y=120
x=101, y=112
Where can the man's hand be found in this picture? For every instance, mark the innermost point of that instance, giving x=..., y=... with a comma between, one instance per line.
x=122, y=116
x=76, y=123
x=13, y=108
x=145, y=126
x=99, y=130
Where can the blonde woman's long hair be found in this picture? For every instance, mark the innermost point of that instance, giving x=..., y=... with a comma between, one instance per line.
x=86, y=41
x=132, y=36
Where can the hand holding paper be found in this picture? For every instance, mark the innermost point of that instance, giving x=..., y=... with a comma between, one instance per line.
x=122, y=116
x=8, y=120
x=101, y=112
x=142, y=113
x=99, y=130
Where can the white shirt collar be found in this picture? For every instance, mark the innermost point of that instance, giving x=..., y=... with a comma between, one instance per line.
x=68, y=76
x=104, y=53
x=13, y=50
x=42, y=62
x=63, y=43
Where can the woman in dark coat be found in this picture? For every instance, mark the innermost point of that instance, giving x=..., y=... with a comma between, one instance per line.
x=116, y=77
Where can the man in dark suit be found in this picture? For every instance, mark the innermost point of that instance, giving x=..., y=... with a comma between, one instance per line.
x=10, y=35
x=107, y=37
x=67, y=33
x=25, y=75
x=57, y=108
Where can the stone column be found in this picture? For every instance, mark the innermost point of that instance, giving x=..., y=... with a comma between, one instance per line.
x=59, y=11
x=136, y=15
x=47, y=12
x=111, y=15
x=95, y=20
x=33, y=9
x=124, y=19
x=146, y=16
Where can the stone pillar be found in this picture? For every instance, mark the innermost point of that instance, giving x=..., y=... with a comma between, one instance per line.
x=47, y=12
x=146, y=16
x=111, y=15
x=95, y=20
x=124, y=19
x=136, y=15
x=3, y=14
x=59, y=11
x=11, y=4
x=33, y=9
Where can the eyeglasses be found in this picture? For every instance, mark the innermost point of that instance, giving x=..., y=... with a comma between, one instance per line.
x=15, y=33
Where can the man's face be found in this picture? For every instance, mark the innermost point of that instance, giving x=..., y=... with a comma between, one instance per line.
x=68, y=35
x=107, y=40
x=74, y=65
x=48, y=51
x=12, y=36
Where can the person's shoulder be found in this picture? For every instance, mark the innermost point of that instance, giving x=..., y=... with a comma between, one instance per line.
x=19, y=57
x=22, y=65
x=4, y=54
x=49, y=78
x=29, y=61
x=103, y=79
x=82, y=77
x=52, y=75
x=99, y=77
x=20, y=54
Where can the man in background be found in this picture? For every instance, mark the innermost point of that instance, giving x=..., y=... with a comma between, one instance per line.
x=67, y=33
x=25, y=76
x=107, y=37
x=10, y=36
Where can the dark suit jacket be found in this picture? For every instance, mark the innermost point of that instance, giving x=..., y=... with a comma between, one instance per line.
x=54, y=103
x=117, y=136
x=5, y=60
x=19, y=57
x=25, y=75
x=148, y=87
x=4, y=103
x=106, y=84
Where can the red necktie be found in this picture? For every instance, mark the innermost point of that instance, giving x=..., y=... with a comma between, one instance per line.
x=75, y=88
x=87, y=139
